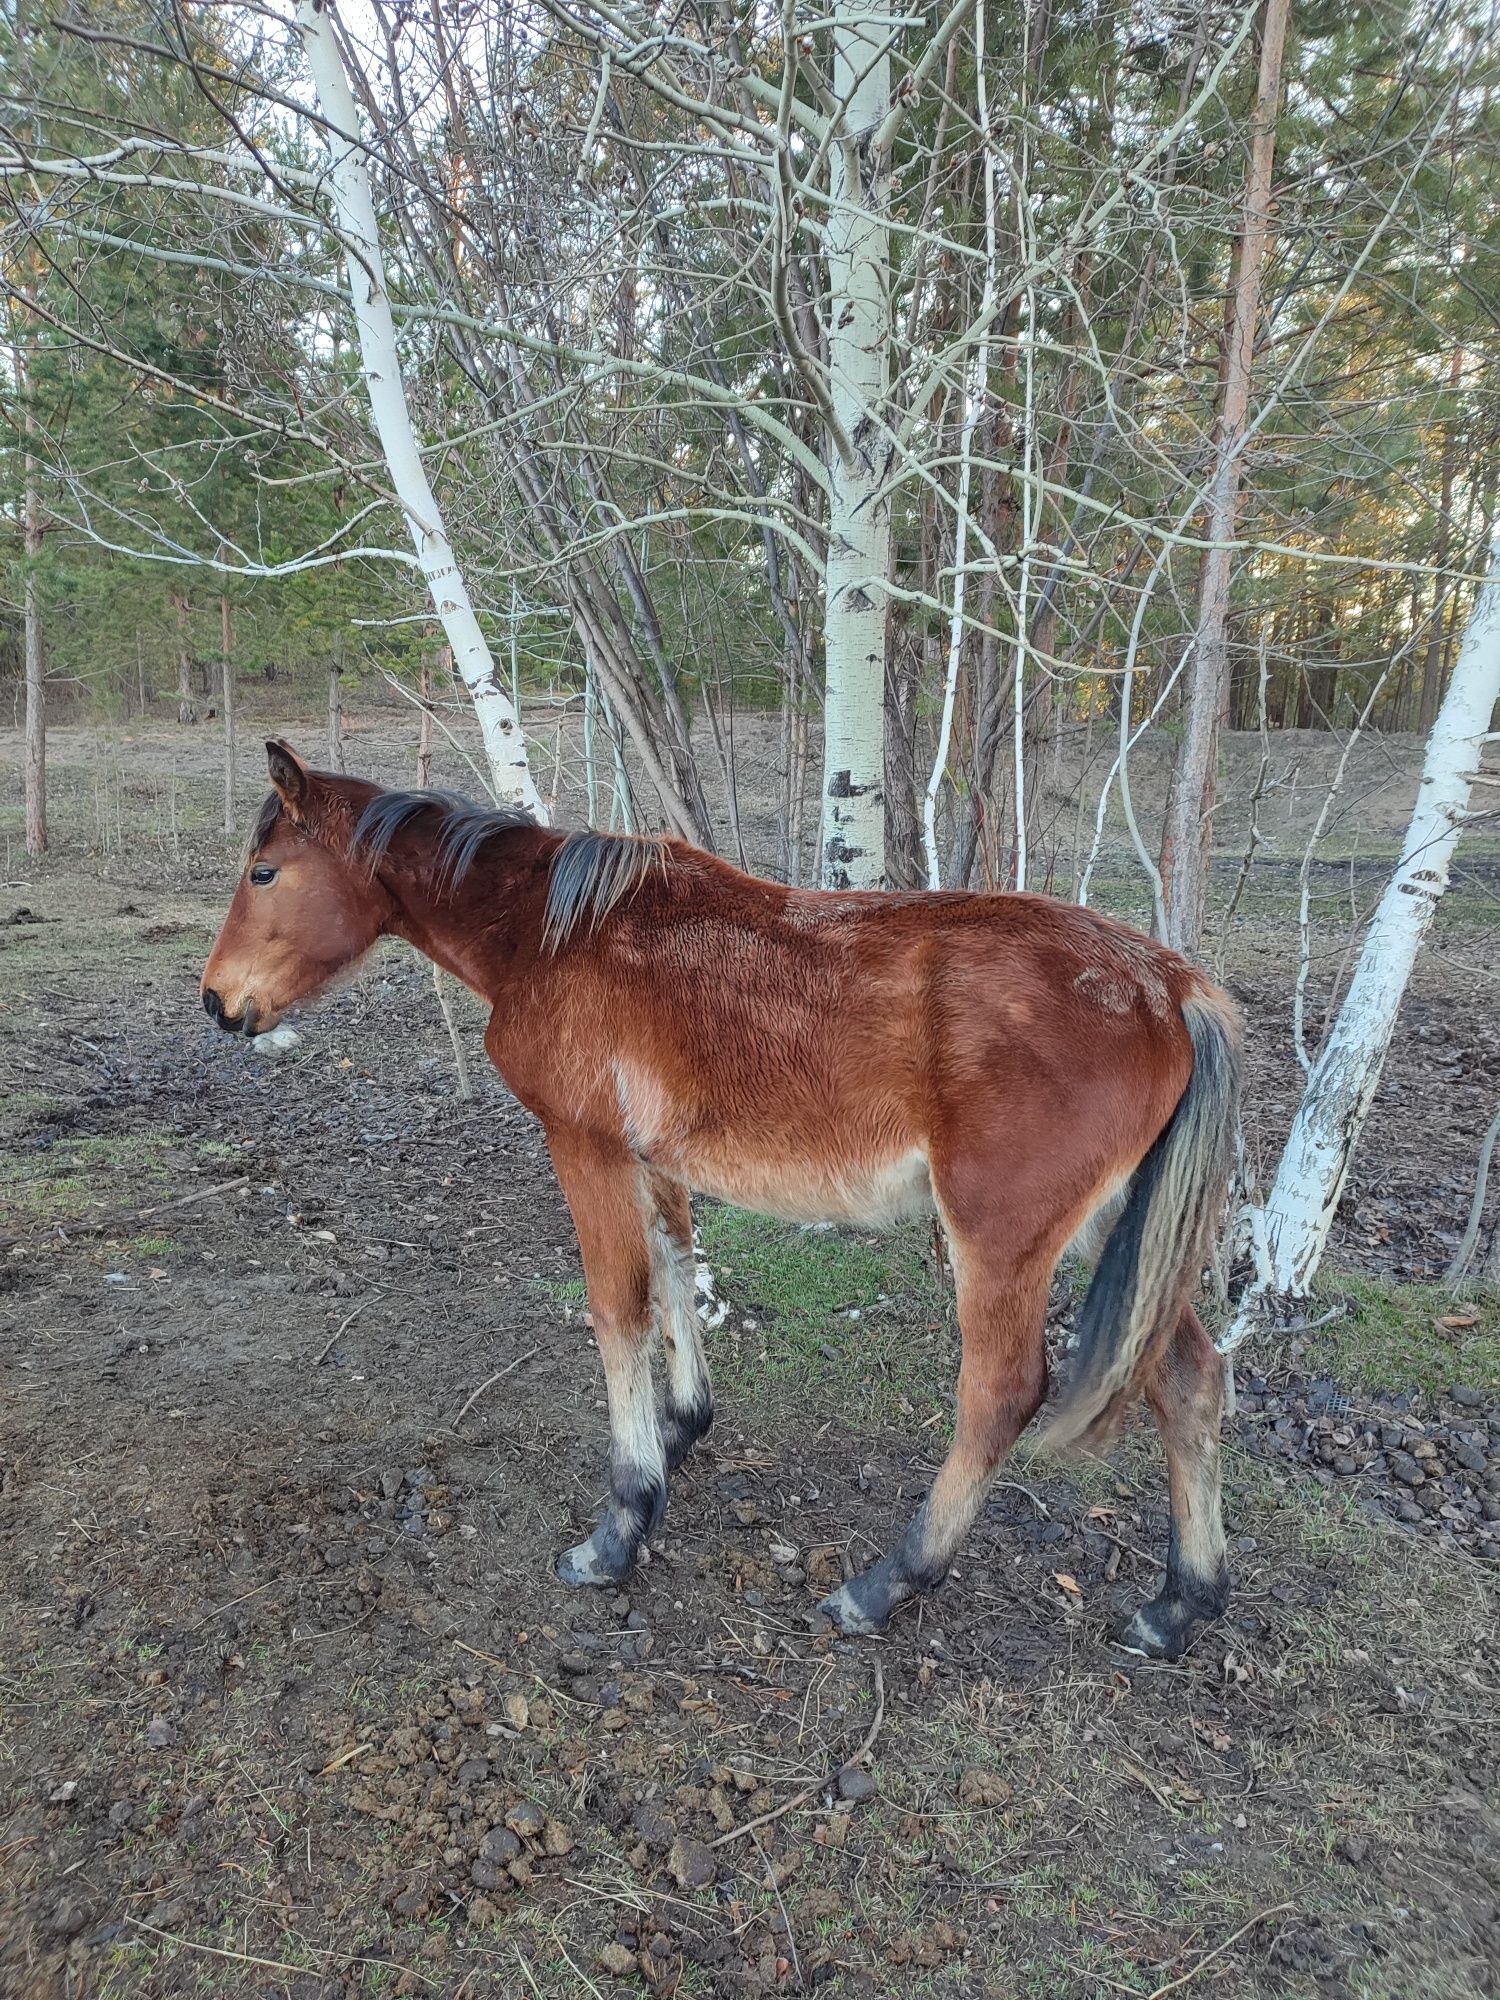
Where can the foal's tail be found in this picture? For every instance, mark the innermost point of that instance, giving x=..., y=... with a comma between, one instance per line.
x=1155, y=1253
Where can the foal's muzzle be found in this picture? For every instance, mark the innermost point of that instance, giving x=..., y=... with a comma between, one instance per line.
x=232, y=1024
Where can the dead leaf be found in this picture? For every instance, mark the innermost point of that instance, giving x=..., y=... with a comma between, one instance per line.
x=1068, y=1583
x=1456, y=1322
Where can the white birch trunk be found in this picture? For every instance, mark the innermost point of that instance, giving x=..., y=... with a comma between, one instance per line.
x=1341, y=1086
x=859, y=514
x=354, y=206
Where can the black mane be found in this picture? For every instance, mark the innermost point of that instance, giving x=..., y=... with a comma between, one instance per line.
x=590, y=872
x=265, y=821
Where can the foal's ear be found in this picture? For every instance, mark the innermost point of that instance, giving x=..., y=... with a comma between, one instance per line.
x=288, y=774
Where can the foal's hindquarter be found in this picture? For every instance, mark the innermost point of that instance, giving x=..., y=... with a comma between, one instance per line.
x=1004, y=1061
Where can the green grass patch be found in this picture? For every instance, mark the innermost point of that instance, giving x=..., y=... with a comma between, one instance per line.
x=154, y=1246
x=1403, y=1337
x=571, y=1291
x=829, y=1308
x=63, y=1183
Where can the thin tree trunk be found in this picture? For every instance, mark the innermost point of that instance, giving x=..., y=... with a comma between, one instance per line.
x=1432, y=674
x=35, y=655
x=226, y=647
x=1188, y=833
x=143, y=694
x=36, y=666
x=424, y=734
x=859, y=515
x=335, y=720
x=354, y=204
x=1341, y=1086
x=187, y=707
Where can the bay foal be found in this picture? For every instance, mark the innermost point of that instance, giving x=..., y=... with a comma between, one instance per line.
x=1030, y=1071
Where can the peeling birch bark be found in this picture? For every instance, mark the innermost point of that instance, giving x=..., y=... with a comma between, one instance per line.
x=354, y=207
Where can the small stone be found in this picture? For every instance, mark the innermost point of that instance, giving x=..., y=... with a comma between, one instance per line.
x=473, y=1771
x=690, y=1864
x=526, y=1819
x=499, y=1845
x=1467, y=1399
x=1405, y=1468
x=573, y=1664
x=485, y=1875
x=1410, y=1512
x=517, y=1710
x=855, y=1784
x=617, y=1961
x=160, y=1735
x=1471, y=1459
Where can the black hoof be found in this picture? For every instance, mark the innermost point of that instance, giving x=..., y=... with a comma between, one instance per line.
x=586, y=1568
x=1159, y=1631
x=1162, y=1629
x=865, y=1603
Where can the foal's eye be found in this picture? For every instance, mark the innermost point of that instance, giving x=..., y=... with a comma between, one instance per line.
x=262, y=876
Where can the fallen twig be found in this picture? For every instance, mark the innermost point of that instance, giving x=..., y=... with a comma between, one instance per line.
x=266, y=1964
x=346, y=1757
x=123, y=1215
x=1219, y=1950
x=808, y=1791
x=498, y=1376
x=333, y=1339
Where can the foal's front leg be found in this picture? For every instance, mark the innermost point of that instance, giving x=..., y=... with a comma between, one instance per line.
x=605, y=1188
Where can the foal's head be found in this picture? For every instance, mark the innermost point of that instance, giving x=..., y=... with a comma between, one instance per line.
x=303, y=911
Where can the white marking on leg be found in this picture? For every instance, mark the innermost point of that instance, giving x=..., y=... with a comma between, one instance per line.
x=634, y=1432
x=677, y=1286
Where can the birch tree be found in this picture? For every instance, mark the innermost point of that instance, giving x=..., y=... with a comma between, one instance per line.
x=855, y=602
x=1315, y=1162
x=380, y=362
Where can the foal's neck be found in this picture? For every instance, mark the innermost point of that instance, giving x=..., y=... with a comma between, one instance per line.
x=484, y=927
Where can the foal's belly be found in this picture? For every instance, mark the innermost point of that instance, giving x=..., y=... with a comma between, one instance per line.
x=869, y=1195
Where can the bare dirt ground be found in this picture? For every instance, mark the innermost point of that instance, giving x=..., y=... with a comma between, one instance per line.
x=291, y=1703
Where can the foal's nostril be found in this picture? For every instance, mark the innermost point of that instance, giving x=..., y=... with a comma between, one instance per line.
x=213, y=1006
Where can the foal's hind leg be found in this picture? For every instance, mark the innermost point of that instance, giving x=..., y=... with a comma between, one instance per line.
x=1001, y=1384
x=690, y=1403
x=605, y=1188
x=1186, y=1394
